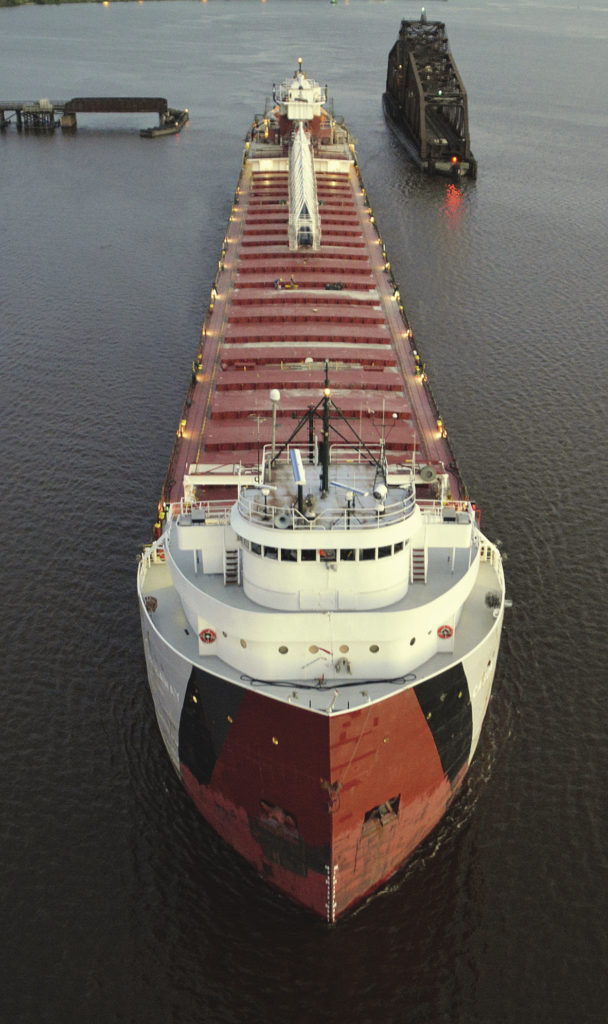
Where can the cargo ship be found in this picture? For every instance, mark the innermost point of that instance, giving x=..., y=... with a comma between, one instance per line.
x=321, y=613
x=425, y=101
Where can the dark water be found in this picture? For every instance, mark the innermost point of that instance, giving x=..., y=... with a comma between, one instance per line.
x=120, y=904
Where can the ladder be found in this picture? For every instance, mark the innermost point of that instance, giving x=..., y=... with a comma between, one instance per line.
x=232, y=566
x=418, y=565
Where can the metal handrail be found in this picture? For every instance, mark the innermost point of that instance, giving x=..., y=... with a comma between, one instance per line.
x=281, y=517
x=254, y=509
x=341, y=454
x=216, y=510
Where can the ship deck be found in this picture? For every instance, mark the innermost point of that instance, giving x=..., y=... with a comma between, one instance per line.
x=338, y=303
x=475, y=622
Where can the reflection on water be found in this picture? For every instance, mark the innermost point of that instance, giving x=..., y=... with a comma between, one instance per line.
x=452, y=206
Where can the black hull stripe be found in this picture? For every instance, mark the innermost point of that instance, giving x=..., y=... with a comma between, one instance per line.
x=210, y=705
x=446, y=704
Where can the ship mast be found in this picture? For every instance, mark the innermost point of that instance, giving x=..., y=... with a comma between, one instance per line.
x=325, y=446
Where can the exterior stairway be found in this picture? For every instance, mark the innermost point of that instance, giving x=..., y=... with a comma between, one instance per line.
x=418, y=565
x=232, y=567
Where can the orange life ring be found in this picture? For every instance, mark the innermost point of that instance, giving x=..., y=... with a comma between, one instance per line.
x=445, y=632
x=208, y=636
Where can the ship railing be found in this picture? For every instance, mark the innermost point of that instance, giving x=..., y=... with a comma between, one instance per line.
x=342, y=454
x=256, y=509
x=489, y=552
x=434, y=509
x=216, y=513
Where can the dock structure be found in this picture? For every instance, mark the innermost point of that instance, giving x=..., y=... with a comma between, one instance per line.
x=46, y=114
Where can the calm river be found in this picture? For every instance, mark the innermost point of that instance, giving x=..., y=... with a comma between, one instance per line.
x=120, y=905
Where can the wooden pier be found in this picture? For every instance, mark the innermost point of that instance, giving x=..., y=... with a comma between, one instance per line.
x=46, y=115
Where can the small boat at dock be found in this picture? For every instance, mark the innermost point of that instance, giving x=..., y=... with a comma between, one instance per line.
x=172, y=122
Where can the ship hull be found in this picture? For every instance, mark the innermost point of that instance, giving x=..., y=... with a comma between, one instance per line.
x=321, y=613
x=325, y=807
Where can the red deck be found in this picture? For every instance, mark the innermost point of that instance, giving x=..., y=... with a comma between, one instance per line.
x=276, y=315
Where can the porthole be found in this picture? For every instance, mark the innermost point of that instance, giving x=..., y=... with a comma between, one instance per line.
x=412, y=641
x=283, y=649
x=374, y=648
x=243, y=643
x=344, y=649
x=313, y=649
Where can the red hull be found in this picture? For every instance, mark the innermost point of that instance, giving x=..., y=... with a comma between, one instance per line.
x=298, y=795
